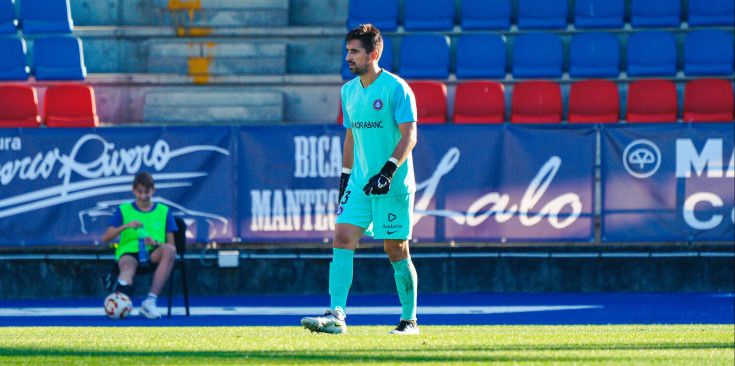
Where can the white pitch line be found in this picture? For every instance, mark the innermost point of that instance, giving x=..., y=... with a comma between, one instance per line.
x=301, y=310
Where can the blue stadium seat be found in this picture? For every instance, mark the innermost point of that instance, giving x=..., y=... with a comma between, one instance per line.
x=651, y=53
x=708, y=52
x=429, y=15
x=424, y=56
x=485, y=14
x=58, y=58
x=594, y=54
x=383, y=14
x=711, y=12
x=537, y=55
x=481, y=56
x=386, y=59
x=45, y=16
x=599, y=14
x=13, y=59
x=542, y=14
x=655, y=13
x=8, y=23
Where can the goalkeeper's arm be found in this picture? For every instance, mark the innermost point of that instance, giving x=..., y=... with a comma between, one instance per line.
x=380, y=183
x=348, y=159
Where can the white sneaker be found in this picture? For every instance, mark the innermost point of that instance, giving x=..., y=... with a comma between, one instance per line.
x=333, y=322
x=148, y=308
x=406, y=327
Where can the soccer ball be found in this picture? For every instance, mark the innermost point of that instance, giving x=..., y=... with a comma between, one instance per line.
x=118, y=305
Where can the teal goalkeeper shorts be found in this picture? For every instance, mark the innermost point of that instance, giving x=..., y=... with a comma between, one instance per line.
x=390, y=216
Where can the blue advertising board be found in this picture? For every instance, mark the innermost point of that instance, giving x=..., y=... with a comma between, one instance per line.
x=668, y=182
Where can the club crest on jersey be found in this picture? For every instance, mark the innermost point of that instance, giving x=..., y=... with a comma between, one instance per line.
x=378, y=104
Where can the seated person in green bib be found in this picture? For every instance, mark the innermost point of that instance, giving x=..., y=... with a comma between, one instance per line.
x=143, y=224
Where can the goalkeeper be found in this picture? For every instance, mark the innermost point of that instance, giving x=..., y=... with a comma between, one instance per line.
x=377, y=185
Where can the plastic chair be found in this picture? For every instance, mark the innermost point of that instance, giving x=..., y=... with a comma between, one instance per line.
x=485, y=14
x=70, y=105
x=58, y=58
x=383, y=14
x=537, y=55
x=479, y=102
x=594, y=101
x=594, y=54
x=651, y=101
x=481, y=56
x=18, y=106
x=536, y=101
x=711, y=12
x=709, y=100
x=8, y=23
x=13, y=59
x=542, y=14
x=599, y=14
x=46, y=16
x=428, y=15
x=386, y=59
x=424, y=56
x=708, y=52
x=431, y=101
x=655, y=13
x=651, y=53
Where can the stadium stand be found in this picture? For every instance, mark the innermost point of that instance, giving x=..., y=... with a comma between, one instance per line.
x=711, y=13
x=386, y=59
x=381, y=13
x=542, y=14
x=479, y=101
x=536, y=101
x=18, y=106
x=424, y=56
x=431, y=101
x=708, y=52
x=594, y=101
x=8, y=21
x=70, y=105
x=655, y=13
x=651, y=100
x=45, y=16
x=485, y=14
x=599, y=14
x=594, y=54
x=422, y=15
x=13, y=59
x=58, y=58
x=652, y=53
x=709, y=100
x=480, y=56
x=537, y=55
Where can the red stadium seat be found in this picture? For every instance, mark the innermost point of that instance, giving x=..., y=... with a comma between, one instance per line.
x=709, y=100
x=18, y=106
x=431, y=101
x=479, y=102
x=651, y=101
x=536, y=102
x=594, y=101
x=70, y=105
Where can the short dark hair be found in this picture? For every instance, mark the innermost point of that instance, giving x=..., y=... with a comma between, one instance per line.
x=144, y=178
x=369, y=37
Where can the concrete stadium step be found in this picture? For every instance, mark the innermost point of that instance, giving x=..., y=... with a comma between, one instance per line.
x=216, y=58
x=224, y=13
x=179, y=105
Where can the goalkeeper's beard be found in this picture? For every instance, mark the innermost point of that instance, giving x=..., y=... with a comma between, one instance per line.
x=357, y=70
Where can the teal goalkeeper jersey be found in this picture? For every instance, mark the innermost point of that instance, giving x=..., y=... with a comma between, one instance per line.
x=373, y=114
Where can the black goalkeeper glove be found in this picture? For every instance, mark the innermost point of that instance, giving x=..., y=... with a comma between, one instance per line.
x=380, y=183
x=343, y=180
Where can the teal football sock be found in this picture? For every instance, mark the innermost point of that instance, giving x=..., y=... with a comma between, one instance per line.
x=340, y=277
x=406, y=283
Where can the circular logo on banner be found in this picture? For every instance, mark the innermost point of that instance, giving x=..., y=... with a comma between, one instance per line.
x=641, y=158
x=378, y=104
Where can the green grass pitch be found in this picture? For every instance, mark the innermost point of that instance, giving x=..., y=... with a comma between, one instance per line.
x=438, y=345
